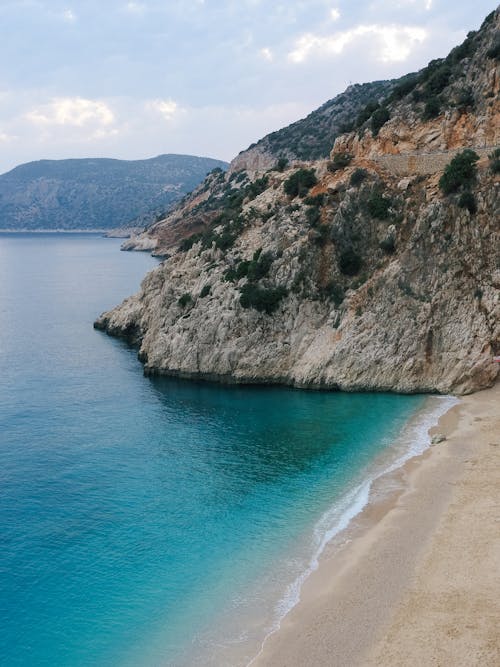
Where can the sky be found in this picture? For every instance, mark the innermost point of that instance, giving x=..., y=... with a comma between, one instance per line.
x=132, y=79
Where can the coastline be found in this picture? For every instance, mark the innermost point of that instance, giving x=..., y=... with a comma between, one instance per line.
x=412, y=580
x=54, y=231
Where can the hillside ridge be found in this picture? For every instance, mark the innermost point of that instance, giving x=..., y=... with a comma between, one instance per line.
x=348, y=272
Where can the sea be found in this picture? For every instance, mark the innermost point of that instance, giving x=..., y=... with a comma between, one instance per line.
x=149, y=522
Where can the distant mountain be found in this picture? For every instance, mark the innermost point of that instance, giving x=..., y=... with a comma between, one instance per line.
x=96, y=193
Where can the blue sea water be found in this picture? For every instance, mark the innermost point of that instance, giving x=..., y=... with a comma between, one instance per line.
x=144, y=521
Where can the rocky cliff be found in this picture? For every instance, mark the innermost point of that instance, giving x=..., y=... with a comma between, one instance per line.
x=376, y=269
x=96, y=193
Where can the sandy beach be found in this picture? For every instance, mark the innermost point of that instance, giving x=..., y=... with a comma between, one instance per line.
x=416, y=580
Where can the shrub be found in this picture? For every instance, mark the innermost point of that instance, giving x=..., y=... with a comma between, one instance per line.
x=185, y=299
x=205, y=291
x=379, y=118
x=438, y=80
x=365, y=113
x=335, y=293
x=465, y=98
x=282, y=164
x=388, y=246
x=187, y=243
x=405, y=86
x=300, y=182
x=358, y=176
x=432, y=108
x=317, y=200
x=257, y=187
x=378, y=206
x=494, y=51
x=263, y=300
x=468, y=201
x=461, y=171
x=495, y=161
x=350, y=262
x=339, y=161
x=259, y=266
x=313, y=216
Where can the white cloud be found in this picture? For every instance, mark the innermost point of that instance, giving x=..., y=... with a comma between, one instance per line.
x=267, y=54
x=76, y=111
x=166, y=108
x=69, y=16
x=334, y=14
x=394, y=43
x=135, y=7
x=4, y=138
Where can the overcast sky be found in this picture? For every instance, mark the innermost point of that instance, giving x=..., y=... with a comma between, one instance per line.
x=133, y=79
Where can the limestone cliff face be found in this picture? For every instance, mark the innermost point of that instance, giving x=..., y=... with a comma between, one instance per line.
x=362, y=277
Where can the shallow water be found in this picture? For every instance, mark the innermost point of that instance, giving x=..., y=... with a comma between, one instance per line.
x=152, y=521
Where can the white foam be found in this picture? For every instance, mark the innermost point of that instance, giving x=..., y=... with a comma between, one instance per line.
x=414, y=441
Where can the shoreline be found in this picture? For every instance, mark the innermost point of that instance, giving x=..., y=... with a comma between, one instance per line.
x=350, y=606
x=55, y=231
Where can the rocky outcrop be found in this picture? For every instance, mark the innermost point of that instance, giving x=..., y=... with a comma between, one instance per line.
x=337, y=275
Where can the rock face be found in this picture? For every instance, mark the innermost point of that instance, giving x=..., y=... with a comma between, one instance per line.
x=340, y=274
x=96, y=193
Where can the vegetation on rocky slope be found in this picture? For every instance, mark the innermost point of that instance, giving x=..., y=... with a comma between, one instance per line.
x=343, y=273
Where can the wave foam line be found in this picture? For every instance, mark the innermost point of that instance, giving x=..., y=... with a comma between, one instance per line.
x=339, y=516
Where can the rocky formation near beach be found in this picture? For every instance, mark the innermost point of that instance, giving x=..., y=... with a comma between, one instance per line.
x=376, y=268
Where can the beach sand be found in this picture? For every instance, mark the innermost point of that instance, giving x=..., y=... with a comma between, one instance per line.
x=416, y=581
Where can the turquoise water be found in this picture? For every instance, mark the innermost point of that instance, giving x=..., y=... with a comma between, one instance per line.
x=152, y=521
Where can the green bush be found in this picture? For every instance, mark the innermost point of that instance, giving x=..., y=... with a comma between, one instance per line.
x=205, y=291
x=494, y=51
x=358, y=176
x=282, y=164
x=313, y=216
x=300, y=182
x=495, y=161
x=460, y=172
x=257, y=187
x=350, y=262
x=438, y=80
x=378, y=206
x=366, y=113
x=388, y=246
x=432, y=108
x=339, y=161
x=379, y=118
x=465, y=98
x=187, y=243
x=262, y=299
x=317, y=200
x=335, y=292
x=185, y=299
x=468, y=201
x=405, y=86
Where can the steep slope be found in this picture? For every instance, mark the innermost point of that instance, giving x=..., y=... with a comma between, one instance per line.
x=95, y=193
x=376, y=269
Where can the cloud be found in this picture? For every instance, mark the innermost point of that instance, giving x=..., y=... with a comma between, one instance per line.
x=166, y=108
x=394, y=43
x=334, y=14
x=69, y=16
x=267, y=54
x=4, y=138
x=76, y=111
x=135, y=7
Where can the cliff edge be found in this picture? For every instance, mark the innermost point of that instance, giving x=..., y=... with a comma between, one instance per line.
x=375, y=269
